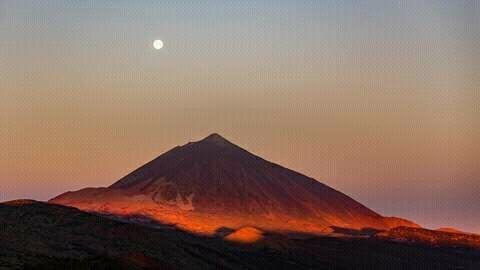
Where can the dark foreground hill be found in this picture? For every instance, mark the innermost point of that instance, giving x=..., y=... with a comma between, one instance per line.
x=36, y=235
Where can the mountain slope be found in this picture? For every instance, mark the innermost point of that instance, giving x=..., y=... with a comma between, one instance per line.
x=36, y=235
x=210, y=184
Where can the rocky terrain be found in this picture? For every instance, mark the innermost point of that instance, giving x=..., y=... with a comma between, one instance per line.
x=432, y=237
x=35, y=235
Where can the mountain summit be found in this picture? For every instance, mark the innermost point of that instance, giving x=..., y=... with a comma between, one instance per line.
x=212, y=184
x=216, y=139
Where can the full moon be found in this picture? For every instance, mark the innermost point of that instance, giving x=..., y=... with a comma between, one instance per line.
x=157, y=44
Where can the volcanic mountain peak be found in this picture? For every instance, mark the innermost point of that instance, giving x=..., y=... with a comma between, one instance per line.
x=214, y=145
x=216, y=139
x=212, y=183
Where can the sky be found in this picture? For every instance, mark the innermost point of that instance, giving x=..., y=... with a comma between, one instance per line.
x=378, y=99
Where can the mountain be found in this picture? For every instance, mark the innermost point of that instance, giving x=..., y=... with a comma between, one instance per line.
x=431, y=237
x=211, y=184
x=451, y=230
x=37, y=235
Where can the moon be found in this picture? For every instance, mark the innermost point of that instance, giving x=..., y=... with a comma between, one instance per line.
x=157, y=44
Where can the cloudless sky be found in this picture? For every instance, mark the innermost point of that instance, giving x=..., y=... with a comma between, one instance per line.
x=378, y=99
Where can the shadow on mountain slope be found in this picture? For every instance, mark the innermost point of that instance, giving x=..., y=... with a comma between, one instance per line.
x=36, y=235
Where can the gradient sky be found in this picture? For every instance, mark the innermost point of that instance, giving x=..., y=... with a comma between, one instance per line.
x=377, y=99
